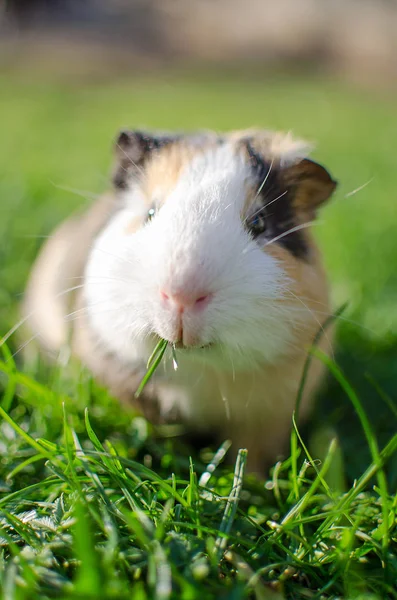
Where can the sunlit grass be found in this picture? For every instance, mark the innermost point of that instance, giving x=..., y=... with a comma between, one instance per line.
x=130, y=515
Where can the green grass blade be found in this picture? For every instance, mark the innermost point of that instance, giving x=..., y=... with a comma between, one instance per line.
x=88, y=581
x=151, y=370
x=309, y=356
x=370, y=436
x=232, y=502
x=28, y=438
x=25, y=463
x=159, y=346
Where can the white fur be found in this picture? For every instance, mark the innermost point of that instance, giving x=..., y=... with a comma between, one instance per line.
x=197, y=235
x=287, y=149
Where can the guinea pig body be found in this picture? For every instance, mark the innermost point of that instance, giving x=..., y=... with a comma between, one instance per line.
x=205, y=243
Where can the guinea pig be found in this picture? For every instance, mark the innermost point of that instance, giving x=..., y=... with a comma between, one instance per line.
x=205, y=242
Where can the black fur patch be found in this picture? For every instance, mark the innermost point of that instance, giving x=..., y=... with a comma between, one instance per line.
x=132, y=150
x=279, y=214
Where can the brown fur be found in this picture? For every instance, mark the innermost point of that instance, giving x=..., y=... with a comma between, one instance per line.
x=313, y=185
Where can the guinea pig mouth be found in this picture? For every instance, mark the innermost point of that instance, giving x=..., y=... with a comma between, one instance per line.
x=181, y=346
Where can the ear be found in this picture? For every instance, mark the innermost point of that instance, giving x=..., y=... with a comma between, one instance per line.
x=310, y=183
x=132, y=149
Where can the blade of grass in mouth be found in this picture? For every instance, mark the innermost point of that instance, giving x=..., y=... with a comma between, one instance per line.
x=174, y=360
x=158, y=348
x=152, y=364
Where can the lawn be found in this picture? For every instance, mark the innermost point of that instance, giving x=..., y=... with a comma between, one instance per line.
x=94, y=503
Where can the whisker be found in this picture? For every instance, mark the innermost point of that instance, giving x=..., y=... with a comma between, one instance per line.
x=225, y=401
x=82, y=310
x=15, y=328
x=78, y=312
x=265, y=180
x=275, y=200
x=124, y=260
x=296, y=228
x=331, y=313
x=71, y=289
x=74, y=315
x=134, y=164
x=326, y=304
x=345, y=319
x=36, y=335
x=100, y=278
x=22, y=321
x=83, y=193
x=361, y=187
x=316, y=319
x=264, y=206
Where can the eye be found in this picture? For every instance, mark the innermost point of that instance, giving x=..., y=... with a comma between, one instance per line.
x=150, y=214
x=257, y=224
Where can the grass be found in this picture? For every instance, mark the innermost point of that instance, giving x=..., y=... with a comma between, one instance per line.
x=152, y=364
x=96, y=504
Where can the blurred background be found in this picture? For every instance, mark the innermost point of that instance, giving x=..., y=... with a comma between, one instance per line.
x=356, y=38
x=73, y=72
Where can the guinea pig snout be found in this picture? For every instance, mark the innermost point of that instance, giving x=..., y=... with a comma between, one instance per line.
x=182, y=311
x=185, y=299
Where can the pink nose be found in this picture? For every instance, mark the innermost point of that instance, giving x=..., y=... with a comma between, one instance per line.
x=184, y=299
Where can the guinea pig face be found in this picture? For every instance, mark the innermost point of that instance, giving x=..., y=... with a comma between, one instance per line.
x=208, y=248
